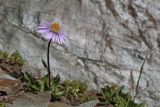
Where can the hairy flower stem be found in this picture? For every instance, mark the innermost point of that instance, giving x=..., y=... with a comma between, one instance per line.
x=48, y=63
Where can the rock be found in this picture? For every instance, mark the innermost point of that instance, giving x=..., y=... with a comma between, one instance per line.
x=10, y=87
x=33, y=71
x=32, y=100
x=58, y=104
x=9, y=84
x=107, y=40
x=4, y=75
x=89, y=104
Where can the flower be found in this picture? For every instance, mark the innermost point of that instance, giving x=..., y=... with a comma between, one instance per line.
x=52, y=30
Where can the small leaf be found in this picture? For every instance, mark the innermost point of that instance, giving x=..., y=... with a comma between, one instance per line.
x=56, y=95
x=41, y=85
x=60, y=93
x=119, y=90
x=2, y=104
x=56, y=80
x=44, y=63
x=45, y=78
x=107, y=93
x=34, y=87
x=46, y=86
x=29, y=78
x=131, y=104
x=141, y=105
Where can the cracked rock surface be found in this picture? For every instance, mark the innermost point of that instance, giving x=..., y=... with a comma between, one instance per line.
x=107, y=40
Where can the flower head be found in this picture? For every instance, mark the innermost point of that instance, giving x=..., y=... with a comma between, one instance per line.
x=52, y=30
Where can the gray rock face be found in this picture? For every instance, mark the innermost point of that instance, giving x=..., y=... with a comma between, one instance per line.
x=107, y=40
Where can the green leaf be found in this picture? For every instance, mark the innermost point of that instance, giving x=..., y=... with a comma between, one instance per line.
x=59, y=93
x=45, y=83
x=56, y=95
x=45, y=78
x=2, y=104
x=131, y=104
x=41, y=85
x=44, y=64
x=141, y=105
x=28, y=78
x=119, y=90
x=105, y=91
x=55, y=81
x=35, y=87
x=108, y=93
x=46, y=86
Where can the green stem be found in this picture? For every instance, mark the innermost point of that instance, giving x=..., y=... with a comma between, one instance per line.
x=48, y=63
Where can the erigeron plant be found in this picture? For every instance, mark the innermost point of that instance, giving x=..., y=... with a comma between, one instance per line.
x=53, y=32
x=75, y=87
x=41, y=85
x=115, y=96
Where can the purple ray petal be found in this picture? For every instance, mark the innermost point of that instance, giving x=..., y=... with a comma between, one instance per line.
x=53, y=37
x=48, y=35
x=43, y=31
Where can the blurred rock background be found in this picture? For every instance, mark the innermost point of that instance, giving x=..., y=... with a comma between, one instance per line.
x=107, y=40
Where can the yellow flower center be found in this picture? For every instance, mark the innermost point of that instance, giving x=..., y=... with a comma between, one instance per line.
x=55, y=27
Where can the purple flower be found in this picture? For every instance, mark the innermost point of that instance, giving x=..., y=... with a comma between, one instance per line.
x=52, y=30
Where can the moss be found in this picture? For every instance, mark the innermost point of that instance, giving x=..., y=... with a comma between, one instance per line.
x=17, y=58
x=3, y=55
x=85, y=98
x=75, y=87
x=120, y=101
x=2, y=104
x=13, y=58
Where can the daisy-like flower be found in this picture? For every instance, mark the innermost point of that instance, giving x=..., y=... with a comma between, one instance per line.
x=52, y=30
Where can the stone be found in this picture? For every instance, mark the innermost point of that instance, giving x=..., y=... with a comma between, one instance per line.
x=32, y=100
x=57, y=104
x=4, y=75
x=33, y=71
x=107, y=40
x=9, y=84
x=10, y=87
x=89, y=104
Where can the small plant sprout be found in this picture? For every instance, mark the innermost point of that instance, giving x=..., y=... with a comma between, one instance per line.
x=115, y=96
x=53, y=32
